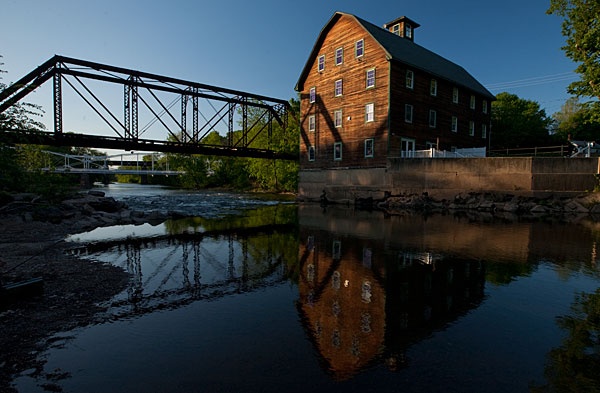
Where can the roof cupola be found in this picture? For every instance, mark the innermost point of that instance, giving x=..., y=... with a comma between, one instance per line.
x=403, y=27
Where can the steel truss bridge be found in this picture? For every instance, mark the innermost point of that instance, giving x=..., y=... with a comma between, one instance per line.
x=171, y=271
x=145, y=95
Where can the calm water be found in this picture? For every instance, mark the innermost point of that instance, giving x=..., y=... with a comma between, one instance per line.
x=258, y=296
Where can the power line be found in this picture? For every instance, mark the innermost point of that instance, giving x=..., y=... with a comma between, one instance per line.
x=539, y=80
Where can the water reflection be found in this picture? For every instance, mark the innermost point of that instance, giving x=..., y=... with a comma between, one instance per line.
x=199, y=258
x=370, y=287
x=365, y=300
x=574, y=365
x=382, y=301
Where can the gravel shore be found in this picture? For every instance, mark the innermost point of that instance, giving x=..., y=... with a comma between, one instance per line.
x=31, y=245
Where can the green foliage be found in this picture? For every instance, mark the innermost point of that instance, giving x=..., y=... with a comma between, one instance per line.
x=19, y=166
x=582, y=30
x=573, y=367
x=518, y=123
x=243, y=173
x=278, y=175
x=578, y=121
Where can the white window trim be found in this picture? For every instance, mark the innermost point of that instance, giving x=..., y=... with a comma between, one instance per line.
x=454, y=126
x=312, y=123
x=356, y=48
x=484, y=105
x=311, y=148
x=455, y=94
x=484, y=131
x=367, y=78
x=337, y=113
x=407, y=111
x=319, y=63
x=432, y=116
x=335, y=85
x=433, y=88
x=410, y=85
x=367, y=106
x=471, y=128
x=472, y=103
x=342, y=56
x=336, y=144
x=312, y=95
x=372, y=142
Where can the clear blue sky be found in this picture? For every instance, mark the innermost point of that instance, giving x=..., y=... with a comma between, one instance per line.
x=261, y=46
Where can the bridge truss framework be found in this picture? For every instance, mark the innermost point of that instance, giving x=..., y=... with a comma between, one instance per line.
x=186, y=127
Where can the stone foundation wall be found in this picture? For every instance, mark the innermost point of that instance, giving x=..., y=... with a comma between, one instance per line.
x=447, y=177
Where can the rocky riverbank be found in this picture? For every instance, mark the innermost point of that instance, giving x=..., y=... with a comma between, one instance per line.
x=489, y=204
x=31, y=245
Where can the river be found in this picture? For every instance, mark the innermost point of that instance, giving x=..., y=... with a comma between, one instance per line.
x=260, y=295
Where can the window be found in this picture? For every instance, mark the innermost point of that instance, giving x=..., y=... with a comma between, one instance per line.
x=338, y=87
x=407, y=30
x=359, y=48
x=471, y=128
x=370, y=112
x=410, y=79
x=339, y=56
x=337, y=151
x=455, y=95
x=433, y=87
x=432, y=118
x=408, y=113
x=311, y=123
x=371, y=78
x=337, y=118
x=321, y=63
x=454, y=124
x=484, y=106
x=484, y=131
x=472, y=102
x=396, y=29
x=313, y=94
x=311, y=153
x=368, y=147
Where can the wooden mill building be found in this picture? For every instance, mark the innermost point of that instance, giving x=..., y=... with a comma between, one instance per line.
x=370, y=93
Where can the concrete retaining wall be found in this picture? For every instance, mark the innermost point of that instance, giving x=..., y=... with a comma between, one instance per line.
x=446, y=177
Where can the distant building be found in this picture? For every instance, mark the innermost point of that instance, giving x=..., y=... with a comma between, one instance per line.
x=370, y=93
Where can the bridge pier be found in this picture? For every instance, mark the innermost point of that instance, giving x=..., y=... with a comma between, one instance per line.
x=144, y=179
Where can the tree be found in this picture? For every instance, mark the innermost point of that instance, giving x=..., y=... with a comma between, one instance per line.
x=277, y=175
x=577, y=121
x=517, y=122
x=582, y=30
x=22, y=116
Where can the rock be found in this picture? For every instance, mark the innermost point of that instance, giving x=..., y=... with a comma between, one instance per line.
x=125, y=215
x=96, y=193
x=538, y=209
x=573, y=206
x=510, y=207
x=106, y=204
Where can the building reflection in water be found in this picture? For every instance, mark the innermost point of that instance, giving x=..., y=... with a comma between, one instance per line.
x=364, y=301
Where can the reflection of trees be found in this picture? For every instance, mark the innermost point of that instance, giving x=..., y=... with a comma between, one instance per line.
x=505, y=273
x=262, y=216
x=575, y=365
